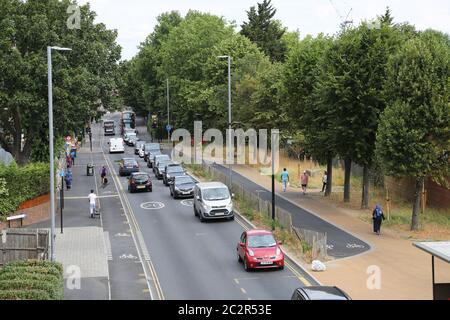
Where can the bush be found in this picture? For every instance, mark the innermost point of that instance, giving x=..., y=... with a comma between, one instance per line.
x=32, y=280
x=22, y=184
x=24, y=295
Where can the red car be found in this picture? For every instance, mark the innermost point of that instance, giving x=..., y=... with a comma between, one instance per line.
x=258, y=249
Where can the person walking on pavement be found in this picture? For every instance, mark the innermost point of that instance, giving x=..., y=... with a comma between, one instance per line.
x=92, y=202
x=72, y=156
x=378, y=217
x=103, y=173
x=304, y=178
x=69, y=179
x=284, y=179
x=324, y=181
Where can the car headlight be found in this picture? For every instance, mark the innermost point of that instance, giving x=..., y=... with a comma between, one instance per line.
x=278, y=251
x=206, y=207
x=230, y=207
x=251, y=253
x=176, y=188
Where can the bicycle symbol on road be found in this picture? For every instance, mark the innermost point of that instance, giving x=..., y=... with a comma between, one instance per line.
x=354, y=246
x=152, y=205
x=187, y=203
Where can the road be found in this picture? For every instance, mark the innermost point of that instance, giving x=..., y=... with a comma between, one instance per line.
x=186, y=259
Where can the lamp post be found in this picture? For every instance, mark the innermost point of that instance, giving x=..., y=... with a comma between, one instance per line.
x=230, y=135
x=52, y=157
x=168, y=112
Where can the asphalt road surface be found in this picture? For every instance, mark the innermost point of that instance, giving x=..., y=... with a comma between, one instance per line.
x=187, y=259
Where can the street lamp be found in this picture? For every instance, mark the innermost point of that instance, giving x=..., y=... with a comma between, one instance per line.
x=52, y=159
x=230, y=136
x=168, y=112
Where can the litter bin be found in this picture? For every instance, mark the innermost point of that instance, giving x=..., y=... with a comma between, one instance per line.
x=90, y=169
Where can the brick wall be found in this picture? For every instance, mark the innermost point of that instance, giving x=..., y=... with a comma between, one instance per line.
x=37, y=210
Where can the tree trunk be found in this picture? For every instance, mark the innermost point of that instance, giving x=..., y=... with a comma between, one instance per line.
x=348, y=170
x=416, y=207
x=365, y=188
x=329, y=187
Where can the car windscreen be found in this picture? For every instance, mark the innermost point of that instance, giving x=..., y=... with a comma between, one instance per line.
x=184, y=180
x=216, y=194
x=162, y=157
x=140, y=177
x=163, y=164
x=261, y=241
x=130, y=163
x=174, y=169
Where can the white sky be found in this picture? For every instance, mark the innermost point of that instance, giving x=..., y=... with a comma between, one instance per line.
x=135, y=19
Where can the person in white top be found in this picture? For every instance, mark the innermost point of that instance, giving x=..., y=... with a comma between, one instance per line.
x=92, y=202
x=325, y=181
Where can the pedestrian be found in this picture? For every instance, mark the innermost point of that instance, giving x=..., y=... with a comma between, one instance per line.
x=92, y=202
x=304, y=178
x=284, y=179
x=378, y=217
x=72, y=156
x=69, y=179
x=103, y=173
x=324, y=181
x=69, y=162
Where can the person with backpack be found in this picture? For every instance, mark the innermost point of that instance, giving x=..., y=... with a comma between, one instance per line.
x=69, y=179
x=378, y=217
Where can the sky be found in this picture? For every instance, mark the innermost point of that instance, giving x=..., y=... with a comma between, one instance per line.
x=135, y=19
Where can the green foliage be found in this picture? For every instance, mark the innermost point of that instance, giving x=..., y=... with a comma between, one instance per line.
x=32, y=280
x=264, y=31
x=22, y=183
x=414, y=132
x=83, y=79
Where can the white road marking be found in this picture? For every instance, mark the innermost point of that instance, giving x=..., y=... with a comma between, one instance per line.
x=153, y=205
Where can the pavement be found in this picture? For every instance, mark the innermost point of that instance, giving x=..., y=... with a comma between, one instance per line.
x=391, y=269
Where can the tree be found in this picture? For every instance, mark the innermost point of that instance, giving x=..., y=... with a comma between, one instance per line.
x=414, y=134
x=354, y=72
x=84, y=79
x=308, y=113
x=265, y=32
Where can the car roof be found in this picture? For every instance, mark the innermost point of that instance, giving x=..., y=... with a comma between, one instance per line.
x=323, y=293
x=258, y=231
x=128, y=159
x=211, y=185
x=139, y=173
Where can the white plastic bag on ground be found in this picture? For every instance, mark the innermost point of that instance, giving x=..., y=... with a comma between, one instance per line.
x=318, y=266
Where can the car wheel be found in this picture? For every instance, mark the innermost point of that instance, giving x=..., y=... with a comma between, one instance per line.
x=281, y=268
x=246, y=267
x=195, y=211
x=201, y=217
x=231, y=219
x=239, y=258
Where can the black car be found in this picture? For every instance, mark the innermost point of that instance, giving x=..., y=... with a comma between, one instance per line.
x=161, y=168
x=139, y=181
x=138, y=146
x=182, y=187
x=319, y=293
x=151, y=157
x=159, y=158
x=128, y=166
x=171, y=171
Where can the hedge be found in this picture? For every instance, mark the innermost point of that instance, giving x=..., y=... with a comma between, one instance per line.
x=24, y=295
x=32, y=280
x=22, y=184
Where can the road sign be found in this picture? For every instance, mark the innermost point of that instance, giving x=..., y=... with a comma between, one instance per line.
x=169, y=128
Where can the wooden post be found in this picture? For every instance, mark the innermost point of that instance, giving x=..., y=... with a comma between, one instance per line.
x=388, y=205
x=424, y=199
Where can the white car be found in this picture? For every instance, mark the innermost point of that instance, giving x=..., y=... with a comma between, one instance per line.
x=212, y=200
x=116, y=145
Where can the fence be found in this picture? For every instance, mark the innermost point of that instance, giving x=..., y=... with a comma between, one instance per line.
x=317, y=241
x=23, y=244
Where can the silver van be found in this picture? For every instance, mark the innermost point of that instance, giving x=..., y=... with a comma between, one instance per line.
x=212, y=200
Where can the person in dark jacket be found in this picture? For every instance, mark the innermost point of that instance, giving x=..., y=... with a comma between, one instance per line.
x=378, y=217
x=68, y=179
